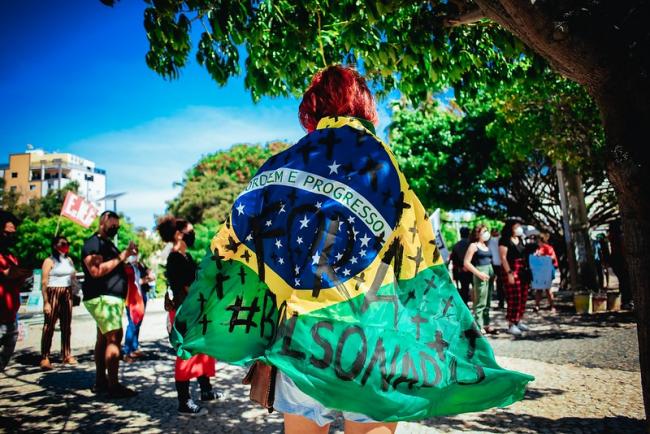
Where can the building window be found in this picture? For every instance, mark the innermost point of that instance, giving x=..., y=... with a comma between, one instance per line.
x=32, y=187
x=14, y=174
x=13, y=188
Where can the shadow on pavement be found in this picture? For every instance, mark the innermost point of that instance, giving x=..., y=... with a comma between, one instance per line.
x=506, y=422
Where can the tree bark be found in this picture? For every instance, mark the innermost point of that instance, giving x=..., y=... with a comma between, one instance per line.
x=625, y=108
x=586, y=278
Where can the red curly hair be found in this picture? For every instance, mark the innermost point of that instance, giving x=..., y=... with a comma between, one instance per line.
x=336, y=91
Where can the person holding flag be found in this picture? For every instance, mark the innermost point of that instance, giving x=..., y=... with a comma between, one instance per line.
x=327, y=270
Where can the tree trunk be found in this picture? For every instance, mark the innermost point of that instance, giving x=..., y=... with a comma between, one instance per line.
x=566, y=228
x=625, y=108
x=586, y=278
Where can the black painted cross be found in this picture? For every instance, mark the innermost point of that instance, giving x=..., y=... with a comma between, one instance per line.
x=221, y=278
x=440, y=345
x=202, y=301
x=246, y=255
x=447, y=305
x=414, y=230
x=205, y=321
x=232, y=244
x=242, y=275
x=216, y=256
x=400, y=206
x=329, y=141
x=305, y=150
x=431, y=283
x=417, y=320
x=371, y=168
x=418, y=259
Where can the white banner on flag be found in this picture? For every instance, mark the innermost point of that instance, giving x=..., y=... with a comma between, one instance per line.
x=440, y=242
x=79, y=210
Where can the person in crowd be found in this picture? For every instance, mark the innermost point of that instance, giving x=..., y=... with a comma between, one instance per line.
x=104, y=289
x=601, y=257
x=59, y=276
x=462, y=277
x=516, y=274
x=544, y=248
x=478, y=260
x=618, y=263
x=12, y=277
x=493, y=245
x=180, y=272
x=142, y=278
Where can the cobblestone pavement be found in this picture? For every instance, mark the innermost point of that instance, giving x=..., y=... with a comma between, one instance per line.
x=583, y=385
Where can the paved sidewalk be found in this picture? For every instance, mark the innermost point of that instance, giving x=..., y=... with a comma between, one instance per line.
x=578, y=394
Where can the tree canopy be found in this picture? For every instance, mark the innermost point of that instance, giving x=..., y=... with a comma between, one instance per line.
x=210, y=187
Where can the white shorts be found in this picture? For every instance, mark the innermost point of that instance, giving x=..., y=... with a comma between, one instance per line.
x=290, y=399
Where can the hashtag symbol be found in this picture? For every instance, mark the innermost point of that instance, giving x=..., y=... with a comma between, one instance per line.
x=237, y=308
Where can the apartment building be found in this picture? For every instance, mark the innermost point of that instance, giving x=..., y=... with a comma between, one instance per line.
x=35, y=172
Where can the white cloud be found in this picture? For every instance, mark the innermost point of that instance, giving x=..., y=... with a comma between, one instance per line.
x=146, y=159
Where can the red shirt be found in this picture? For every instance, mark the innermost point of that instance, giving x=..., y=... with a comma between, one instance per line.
x=9, y=290
x=547, y=250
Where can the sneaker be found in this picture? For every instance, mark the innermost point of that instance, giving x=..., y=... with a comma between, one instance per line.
x=523, y=327
x=210, y=396
x=45, y=364
x=514, y=330
x=191, y=409
x=121, y=392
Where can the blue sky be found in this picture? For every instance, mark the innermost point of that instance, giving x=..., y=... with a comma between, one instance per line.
x=73, y=79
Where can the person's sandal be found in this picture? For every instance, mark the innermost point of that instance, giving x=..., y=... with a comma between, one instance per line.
x=70, y=360
x=45, y=364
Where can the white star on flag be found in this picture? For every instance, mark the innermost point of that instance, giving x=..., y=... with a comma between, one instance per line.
x=249, y=237
x=268, y=222
x=353, y=260
x=281, y=261
x=338, y=256
x=296, y=282
x=351, y=220
x=315, y=258
x=334, y=168
x=278, y=244
x=346, y=272
x=319, y=204
x=304, y=222
x=364, y=240
x=362, y=253
x=282, y=209
x=240, y=209
x=297, y=269
x=299, y=240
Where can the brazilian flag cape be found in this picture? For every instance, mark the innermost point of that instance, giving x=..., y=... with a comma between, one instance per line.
x=327, y=268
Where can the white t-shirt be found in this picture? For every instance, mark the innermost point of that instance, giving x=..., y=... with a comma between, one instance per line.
x=493, y=245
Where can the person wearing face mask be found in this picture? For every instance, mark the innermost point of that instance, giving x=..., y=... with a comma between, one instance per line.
x=478, y=260
x=58, y=278
x=180, y=272
x=515, y=274
x=105, y=289
x=11, y=278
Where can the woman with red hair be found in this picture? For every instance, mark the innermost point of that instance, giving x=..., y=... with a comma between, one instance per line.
x=326, y=275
